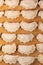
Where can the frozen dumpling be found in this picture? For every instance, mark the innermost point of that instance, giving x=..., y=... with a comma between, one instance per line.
x=8, y=37
x=39, y=47
x=40, y=14
x=25, y=60
x=41, y=3
x=40, y=58
x=28, y=26
x=11, y=27
x=31, y=14
x=29, y=4
x=12, y=14
x=9, y=48
x=40, y=26
x=26, y=49
x=25, y=37
x=11, y=59
x=40, y=37
x=12, y=3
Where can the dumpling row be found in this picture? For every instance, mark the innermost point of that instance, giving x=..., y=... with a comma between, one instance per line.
x=21, y=37
x=10, y=37
x=13, y=27
x=10, y=14
x=28, y=14
x=31, y=14
x=31, y=4
x=10, y=3
x=23, y=49
x=7, y=37
x=22, y=60
x=28, y=49
x=14, y=14
x=27, y=4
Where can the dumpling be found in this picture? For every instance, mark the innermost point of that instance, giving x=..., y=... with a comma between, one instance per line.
x=40, y=14
x=39, y=47
x=40, y=58
x=12, y=3
x=11, y=27
x=28, y=26
x=41, y=3
x=8, y=37
x=1, y=58
x=1, y=2
x=31, y=14
x=29, y=4
x=1, y=13
x=26, y=49
x=40, y=37
x=25, y=60
x=1, y=24
x=25, y=37
x=10, y=48
x=12, y=14
x=11, y=59
x=40, y=26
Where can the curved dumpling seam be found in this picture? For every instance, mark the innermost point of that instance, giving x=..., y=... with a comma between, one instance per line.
x=40, y=58
x=12, y=14
x=40, y=37
x=41, y=3
x=8, y=37
x=25, y=37
x=29, y=14
x=10, y=48
x=13, y=59
x=23, y=60
x=11, y=27
x=39, y=47
x=26, y=49
x=28, y=26
x=40, y=14
x=12, y=3
x=40, y=26
x=29, y=4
